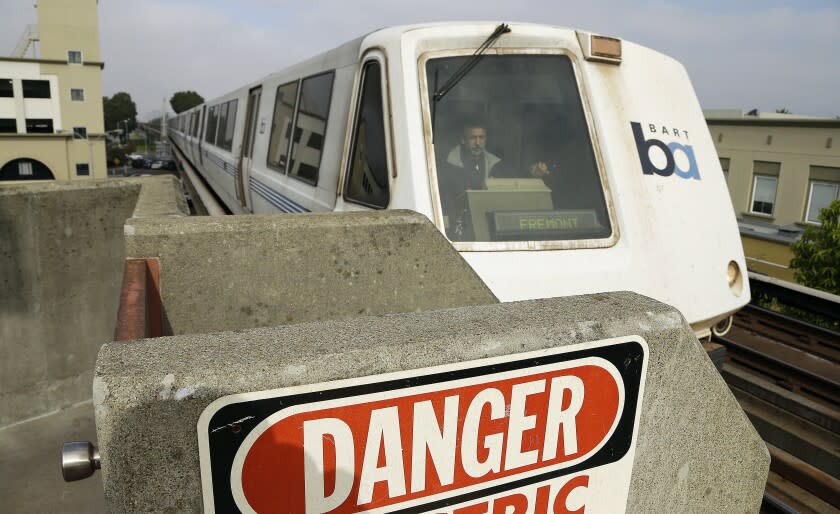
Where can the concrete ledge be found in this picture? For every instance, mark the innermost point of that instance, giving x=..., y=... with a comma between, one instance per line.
x=696, y=450
x=159, y=196
x=61, y=263
x=234, y=272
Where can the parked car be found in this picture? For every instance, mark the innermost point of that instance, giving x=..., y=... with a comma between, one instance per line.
x=163, y=164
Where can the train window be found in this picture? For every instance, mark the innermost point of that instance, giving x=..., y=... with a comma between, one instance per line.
x=223, y=116
x=367, y=181
x=513, y=153
x=227, y=141
x=212, y=122
x=311, y=126
x=281, y=125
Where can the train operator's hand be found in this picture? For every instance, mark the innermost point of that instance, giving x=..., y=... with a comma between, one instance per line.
x=538, y=170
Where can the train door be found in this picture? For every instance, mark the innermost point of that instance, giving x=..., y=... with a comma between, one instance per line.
x=246, y=153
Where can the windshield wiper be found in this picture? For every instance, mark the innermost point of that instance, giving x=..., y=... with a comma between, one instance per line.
x=470, y=64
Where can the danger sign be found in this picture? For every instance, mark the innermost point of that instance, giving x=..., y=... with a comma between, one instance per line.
x=548, y=431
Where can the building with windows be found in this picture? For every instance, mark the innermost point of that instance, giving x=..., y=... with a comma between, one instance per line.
x=781, y=169
x=51, y=120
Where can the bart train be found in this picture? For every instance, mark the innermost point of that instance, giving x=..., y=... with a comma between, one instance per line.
x=556, y=161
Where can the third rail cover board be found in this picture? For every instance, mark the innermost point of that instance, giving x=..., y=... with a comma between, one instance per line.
x=551, y=431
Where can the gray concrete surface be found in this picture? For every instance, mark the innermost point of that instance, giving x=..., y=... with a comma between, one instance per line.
x=30, y=472
x=60, y=273
x=61, y=264
x=235, y=272
x=696, y=450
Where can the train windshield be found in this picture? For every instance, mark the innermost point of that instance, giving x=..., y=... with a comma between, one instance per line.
x=512, y=150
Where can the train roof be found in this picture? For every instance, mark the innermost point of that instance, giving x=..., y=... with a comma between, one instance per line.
x=348, y=53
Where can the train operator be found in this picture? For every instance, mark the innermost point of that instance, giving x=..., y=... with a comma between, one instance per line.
x=467, y=167
x=471, y=164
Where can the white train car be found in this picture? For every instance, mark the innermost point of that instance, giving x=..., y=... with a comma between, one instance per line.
x=558, y=162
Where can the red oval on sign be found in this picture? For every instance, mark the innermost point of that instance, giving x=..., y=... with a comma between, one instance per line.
x=359, y=453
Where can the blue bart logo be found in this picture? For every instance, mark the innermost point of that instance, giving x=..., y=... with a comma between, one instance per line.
x=643, y=146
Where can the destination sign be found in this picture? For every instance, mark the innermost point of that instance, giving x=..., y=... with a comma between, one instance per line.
x=548, y=431
x=515, y=224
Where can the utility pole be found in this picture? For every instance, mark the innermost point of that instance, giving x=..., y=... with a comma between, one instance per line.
x=163, y=119
x=163, y=147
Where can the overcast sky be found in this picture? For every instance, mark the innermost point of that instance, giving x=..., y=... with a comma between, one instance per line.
x=763, y=54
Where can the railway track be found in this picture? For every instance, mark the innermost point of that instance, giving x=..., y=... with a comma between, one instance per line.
x=785, y=373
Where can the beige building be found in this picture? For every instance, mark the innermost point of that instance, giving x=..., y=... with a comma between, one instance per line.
x=781, y=170
x=51, y=120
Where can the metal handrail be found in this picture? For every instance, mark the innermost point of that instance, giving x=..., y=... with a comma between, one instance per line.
x=30, y=34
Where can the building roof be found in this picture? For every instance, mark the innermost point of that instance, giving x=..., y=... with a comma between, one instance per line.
x=770, y=119
x=787, y=234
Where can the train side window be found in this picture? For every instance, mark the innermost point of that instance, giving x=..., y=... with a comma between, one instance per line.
x=212, y=121
x=367, y=180
x=227, y=141
x=311, y=126
x=281, y=125
x=220, y=133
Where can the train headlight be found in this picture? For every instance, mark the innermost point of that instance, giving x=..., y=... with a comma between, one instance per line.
x=735, y=278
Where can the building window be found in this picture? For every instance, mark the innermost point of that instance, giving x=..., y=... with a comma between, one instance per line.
x=77, y=95
x=6, y=90
x=8, y=126
x=25, y=169
x=82, y=170
x=764, y=194
x=820, y=196
x=74, y=56
x=39, y=126
x=36, y=89
x=724, y=165
x=79, y=132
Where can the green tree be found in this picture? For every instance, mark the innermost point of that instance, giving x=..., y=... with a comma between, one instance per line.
x=118, y=108
x=183, y=100
x=816, y=256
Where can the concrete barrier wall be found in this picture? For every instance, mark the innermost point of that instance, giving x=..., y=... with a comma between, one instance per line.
x=234, y=272
x=61, y=263
x=696, y=450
